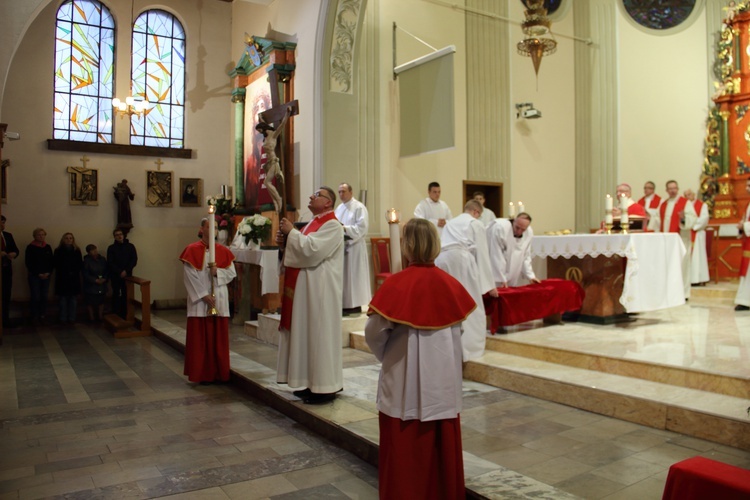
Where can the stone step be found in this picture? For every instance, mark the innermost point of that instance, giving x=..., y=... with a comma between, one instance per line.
x=691, y=378
x=357, y=341
x=714, y=417
x=266, y=328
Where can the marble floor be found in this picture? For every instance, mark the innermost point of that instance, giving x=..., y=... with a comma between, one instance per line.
x=84, y=415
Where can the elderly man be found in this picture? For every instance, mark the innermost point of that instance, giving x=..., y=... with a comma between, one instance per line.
x=433, y=208
x=509, y=244
x=353, y=216
x=697, y=211
x=464, y=255
x=742, y=299
x=650, y=202
x=624, y=198
x=672, y=218
x=207, y=338
x=310, y=330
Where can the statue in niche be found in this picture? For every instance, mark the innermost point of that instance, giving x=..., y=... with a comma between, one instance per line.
x=124, y=195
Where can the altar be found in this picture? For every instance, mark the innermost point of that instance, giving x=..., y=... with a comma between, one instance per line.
x=257, y=284
x=620, y=273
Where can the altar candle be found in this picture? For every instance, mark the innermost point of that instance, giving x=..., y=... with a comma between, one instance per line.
x=608, y=203
x=608, y=218
x=521, y=208
x=624, y=216
x=211, y=235
x=511, y=210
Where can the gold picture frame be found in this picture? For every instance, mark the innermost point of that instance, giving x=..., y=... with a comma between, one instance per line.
x=83, y=186
x=159, y=188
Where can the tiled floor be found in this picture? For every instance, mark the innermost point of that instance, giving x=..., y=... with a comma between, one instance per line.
x=84, y=415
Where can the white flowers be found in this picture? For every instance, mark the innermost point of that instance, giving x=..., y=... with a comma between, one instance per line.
x=255, y=227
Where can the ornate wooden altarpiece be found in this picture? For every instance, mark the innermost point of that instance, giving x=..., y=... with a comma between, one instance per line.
x=726, y=165
x=263, y=79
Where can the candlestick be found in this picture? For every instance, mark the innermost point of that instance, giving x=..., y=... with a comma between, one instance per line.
x=211, y=235
x=394, y=231
x=608, y=203
x=511, y=210
x=608, y=218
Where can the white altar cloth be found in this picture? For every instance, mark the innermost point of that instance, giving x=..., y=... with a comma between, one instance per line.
x=268, y=260
x=653, y=273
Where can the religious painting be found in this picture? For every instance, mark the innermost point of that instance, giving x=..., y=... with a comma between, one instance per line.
x=4, y=181
x=192, y=192
x=257, y=100
x=158, y=188
x=84, y=186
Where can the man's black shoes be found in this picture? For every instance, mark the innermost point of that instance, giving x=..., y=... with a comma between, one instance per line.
x=740, y=307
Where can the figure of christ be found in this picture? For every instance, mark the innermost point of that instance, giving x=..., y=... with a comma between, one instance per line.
x=272, y=166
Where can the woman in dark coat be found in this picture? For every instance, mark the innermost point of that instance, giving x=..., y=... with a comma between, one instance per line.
x=40, y=264
x=95, y=274
x=68, y=266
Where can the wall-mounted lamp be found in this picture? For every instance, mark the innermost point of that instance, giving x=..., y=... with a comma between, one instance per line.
x=527, y=110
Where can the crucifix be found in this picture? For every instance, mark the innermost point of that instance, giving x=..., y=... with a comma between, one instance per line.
x=159, y=163
x=272, y=123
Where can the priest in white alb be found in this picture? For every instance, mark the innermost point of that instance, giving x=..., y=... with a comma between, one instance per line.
x=433, y=208
x=650, y=202
x=352, y=214
x=673, y=218
x=742, y=299
x=207, y=335
x=310, y=331
x=698, y=211
x=509, y=242
x=464, y=255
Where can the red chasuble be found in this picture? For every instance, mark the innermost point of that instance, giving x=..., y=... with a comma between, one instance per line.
x=401, y=298
x=195, y=252
x=636, y=209
x=698, y=206
x=674, y=223
x=292, y=273
x=655, y=201
x=745, y=263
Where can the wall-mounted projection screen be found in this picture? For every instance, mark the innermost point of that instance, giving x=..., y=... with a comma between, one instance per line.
x=426, y=102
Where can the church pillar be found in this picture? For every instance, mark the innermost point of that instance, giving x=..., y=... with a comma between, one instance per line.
x=596, y=92
x=239, y=141
x=488, y=97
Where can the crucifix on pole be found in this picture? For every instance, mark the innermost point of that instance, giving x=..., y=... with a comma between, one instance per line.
x=272, y=124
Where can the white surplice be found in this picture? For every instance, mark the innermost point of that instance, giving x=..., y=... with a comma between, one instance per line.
x=464, y=256
x=699, y=253
x=421, y=375
x=198, y=285
x=653, y=214
x=310, y=355
x=487, y=217
x=510, y=257
x=353, y=215
x=743, y=290
x=689, y=219
x=432, y=211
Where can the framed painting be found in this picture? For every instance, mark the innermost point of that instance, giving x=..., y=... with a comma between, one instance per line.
x=83, y=186
x=257, y=100
x=191, y=192
x=158, y=188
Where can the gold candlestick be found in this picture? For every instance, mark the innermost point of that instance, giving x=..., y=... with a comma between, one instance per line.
x=212, y=311
x=625, y=226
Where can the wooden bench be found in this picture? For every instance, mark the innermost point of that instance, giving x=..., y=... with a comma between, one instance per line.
x=130, y=327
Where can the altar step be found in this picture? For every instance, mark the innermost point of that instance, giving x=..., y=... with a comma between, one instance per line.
x=266, y=328
x=714, y=294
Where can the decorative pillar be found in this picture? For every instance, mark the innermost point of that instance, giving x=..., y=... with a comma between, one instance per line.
x=724, y=144
x=238, y=98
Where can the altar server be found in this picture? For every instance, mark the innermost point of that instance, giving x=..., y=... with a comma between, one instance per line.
x=509, y=243
x=433, y=208
x=698, y=211
x=353, y=216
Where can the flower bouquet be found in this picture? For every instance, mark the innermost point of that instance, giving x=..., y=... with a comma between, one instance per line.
x=256, y=228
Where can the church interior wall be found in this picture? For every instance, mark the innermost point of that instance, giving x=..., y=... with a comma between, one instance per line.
x=37, y=178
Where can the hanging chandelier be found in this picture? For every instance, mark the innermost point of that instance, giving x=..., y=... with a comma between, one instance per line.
x=130, y=106
x=538, y=39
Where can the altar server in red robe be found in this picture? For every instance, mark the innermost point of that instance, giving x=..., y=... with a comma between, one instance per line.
x=672, y=219
x=742, y=300
x=207, y=341
x=650, y=202
x=414, y=329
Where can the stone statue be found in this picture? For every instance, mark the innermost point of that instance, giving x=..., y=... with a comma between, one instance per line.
x=272, y=167
x=123, y=195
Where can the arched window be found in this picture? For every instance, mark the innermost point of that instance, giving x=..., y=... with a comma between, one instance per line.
x=158, y=75
x=84, y=72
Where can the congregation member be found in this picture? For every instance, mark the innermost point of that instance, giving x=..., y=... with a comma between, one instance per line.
x=697, y=211
x=40, y=262
x=353, y=216
x=414, y=330
x=742, y=299
x=207, y=334
x=95, y=277
x=309, y=358
x=488, y=216
x=433, y=208
x=8, y=255
x=509, y=242
x=650, y=202
x=122, y=258
x=464, y=255
x=68, y=267
x=671, y=219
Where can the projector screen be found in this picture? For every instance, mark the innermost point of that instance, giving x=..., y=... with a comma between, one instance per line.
x=426, y=103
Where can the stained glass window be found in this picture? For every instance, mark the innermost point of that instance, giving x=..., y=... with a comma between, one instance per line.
x=84, y=72
x=158, y=75
x=660, y=15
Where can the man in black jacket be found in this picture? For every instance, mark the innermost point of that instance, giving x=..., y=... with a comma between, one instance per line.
x=9, y=253
x=121, y=259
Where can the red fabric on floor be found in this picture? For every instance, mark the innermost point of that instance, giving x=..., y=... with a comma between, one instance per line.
x=535, y=301
x=700, y=478
x=207, y=349
x=420, y=460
